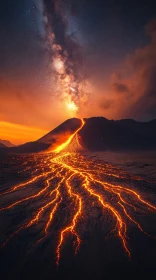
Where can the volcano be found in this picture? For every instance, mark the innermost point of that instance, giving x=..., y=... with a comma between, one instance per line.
x=66, y=212
x=55, y=137
x=97, y=134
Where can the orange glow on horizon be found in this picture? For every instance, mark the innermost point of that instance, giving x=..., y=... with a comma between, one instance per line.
x=19, y=134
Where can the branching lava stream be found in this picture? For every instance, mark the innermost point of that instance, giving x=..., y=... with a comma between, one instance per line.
x=73, y=177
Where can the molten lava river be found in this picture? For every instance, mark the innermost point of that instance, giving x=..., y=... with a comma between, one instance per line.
x=67, y=200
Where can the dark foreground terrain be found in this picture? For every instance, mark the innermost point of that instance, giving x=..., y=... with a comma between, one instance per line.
x=77, y=216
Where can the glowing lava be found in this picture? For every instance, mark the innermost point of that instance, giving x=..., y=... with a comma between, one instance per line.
x=64, y=145
x=79, y=182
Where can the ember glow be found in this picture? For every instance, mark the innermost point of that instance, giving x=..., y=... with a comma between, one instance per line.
x=72, y=106
x=79, y=182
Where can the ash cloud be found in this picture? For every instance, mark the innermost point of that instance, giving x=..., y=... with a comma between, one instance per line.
x=134, y=85
x=106, y=104
x=120, y=88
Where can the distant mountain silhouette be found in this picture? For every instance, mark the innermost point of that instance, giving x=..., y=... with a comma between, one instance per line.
x=98, y=134
x=6, y=143
x=2, y=145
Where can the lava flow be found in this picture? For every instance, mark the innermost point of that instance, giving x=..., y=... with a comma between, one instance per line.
x=73, y=178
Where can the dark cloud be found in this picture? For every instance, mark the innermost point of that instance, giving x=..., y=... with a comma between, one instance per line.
x=151, y=29
x=140, y=86
x=106, y=104
x=144, y=62
x=120, y=88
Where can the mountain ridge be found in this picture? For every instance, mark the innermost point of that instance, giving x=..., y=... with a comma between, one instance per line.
x=6, y=143
x=98, y=134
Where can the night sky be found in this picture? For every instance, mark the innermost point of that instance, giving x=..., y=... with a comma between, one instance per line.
x=101, y=53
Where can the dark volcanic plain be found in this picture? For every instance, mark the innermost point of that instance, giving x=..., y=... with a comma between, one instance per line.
x=32, y=243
